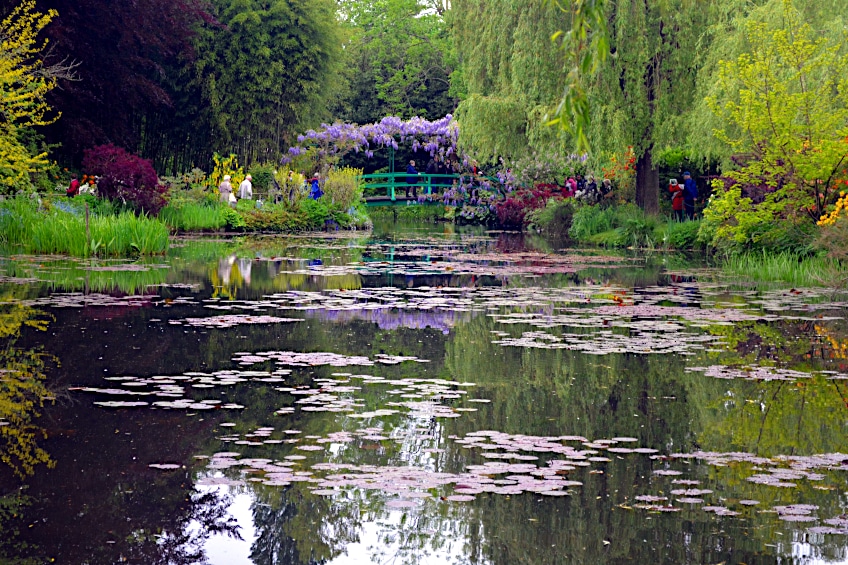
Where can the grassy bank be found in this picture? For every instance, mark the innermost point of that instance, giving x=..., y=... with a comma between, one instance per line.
x=615, y=226
x=304, y=215
x=194, y=216
x=60, y=228
x=786, y=268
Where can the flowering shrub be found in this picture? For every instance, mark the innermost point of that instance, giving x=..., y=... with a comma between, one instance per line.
x=342, y=186
x=126, y=178
x=513, y=210
x=830, y=218
x=622, y=172
x=548, y=169
x=833, y=237
x=225, y=166
x=333, y=141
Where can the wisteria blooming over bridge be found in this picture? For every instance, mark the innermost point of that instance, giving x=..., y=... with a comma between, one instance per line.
x=436, y=137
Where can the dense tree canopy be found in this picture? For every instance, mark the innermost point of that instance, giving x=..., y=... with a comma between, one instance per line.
x=265, y=69
x=176, y=80
x=399, y=61
x=128, y=56
x=510, y=76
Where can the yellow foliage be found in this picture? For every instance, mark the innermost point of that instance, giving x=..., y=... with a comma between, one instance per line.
x=23, y=87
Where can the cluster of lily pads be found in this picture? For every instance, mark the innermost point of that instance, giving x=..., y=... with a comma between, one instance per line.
x=779, y=472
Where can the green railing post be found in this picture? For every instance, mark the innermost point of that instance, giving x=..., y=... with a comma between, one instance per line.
x=392, y=171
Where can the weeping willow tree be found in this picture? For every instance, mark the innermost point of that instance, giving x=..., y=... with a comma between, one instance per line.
x=510, y=75
x=641, y=94
x=513, y=75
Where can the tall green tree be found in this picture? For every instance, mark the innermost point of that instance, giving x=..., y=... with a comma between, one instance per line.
x=783, y=110
x=24, y=85
x=642, y=92
x=399, y=61
x=510, y=76
x=266, y=71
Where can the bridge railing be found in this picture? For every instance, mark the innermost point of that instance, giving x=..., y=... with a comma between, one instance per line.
x=428, y=183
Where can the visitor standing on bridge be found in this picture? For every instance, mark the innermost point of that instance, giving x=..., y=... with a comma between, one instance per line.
x=445, y=169
x=411, y=179
x=690, y=195
x=433, y=169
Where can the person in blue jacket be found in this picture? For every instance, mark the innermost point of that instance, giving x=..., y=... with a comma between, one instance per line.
x=411, y=179
x=690, y=195
x=315, y=192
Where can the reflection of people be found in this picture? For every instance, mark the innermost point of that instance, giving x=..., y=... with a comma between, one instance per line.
x=690, y=195
x=225, y=266
x=676, y=199
x=244, y=266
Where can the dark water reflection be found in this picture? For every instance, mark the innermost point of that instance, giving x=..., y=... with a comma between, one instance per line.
x=519, y=339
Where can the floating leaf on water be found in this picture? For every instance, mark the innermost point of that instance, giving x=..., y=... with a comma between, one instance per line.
x=165, y=466
x=401, y=504
x=460, y=498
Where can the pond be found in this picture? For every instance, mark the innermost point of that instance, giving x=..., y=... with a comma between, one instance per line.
x=417, y=395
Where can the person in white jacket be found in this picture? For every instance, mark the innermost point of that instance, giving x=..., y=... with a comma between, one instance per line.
x=245, y=189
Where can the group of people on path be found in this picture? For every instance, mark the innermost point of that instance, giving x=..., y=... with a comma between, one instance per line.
x=245, y=190
x=587, y=190
x=683, y=197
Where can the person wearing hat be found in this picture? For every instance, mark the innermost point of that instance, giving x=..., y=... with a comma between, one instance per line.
x=676, y=199
x=225, y=189
x=690, y=195
x=246, y=188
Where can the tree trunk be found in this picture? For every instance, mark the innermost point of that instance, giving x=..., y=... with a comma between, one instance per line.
x=647, y=184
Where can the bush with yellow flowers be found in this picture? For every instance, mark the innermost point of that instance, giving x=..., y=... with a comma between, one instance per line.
x=830, y=218
x=833, y=236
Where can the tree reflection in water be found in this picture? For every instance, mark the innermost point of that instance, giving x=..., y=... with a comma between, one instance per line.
x=22, y=388
x=296, y=527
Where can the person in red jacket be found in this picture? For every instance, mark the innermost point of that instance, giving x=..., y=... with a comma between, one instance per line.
x=73, y=188
x=676, y=199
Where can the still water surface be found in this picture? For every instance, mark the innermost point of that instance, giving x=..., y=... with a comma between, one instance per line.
x=417, y=395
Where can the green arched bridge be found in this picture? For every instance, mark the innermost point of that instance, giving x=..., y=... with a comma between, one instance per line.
x=395, y=186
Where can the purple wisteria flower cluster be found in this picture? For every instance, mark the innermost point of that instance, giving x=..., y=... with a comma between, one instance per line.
x=436, y=137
